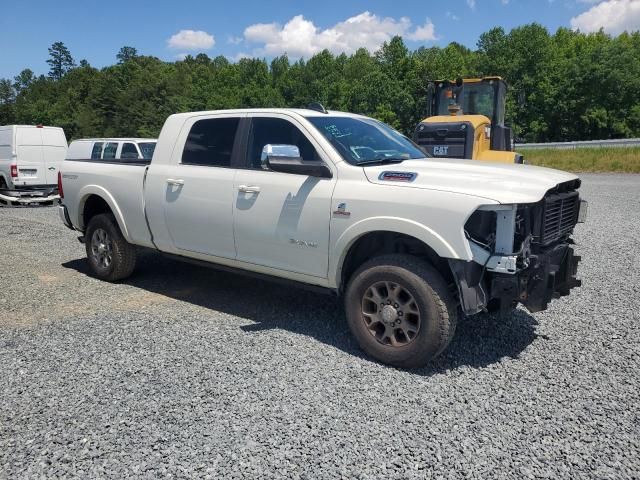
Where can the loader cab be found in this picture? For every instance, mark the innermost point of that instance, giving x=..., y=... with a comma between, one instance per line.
x=466, y=119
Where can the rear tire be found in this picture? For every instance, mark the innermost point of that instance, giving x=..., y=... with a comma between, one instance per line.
x=400, y=310
x=110, y=256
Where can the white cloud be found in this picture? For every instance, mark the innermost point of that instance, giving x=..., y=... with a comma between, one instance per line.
x=191, y=40
x=472, y=4
x=300, y=37
x=239, y=56
x=452, y=16
x=234, y=40
x=614, y=16
x=423, y=33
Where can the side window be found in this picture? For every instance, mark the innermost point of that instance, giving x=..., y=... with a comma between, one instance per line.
x=210, y=142
x=129, y=152
x=96, y=151
x=147, y=149
x=110, y=151
x=277, y=131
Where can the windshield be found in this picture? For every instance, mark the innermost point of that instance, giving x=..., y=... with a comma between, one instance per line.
x=365, y=140
x=477, y=99
x=147, y=149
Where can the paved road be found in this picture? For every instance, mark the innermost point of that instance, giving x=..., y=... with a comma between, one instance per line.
x=185, y=372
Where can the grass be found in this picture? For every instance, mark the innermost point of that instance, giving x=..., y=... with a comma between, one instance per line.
x=621, y=159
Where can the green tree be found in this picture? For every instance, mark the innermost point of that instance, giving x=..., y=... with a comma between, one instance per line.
x=7, y=102
x=573, y=86
x=23, y=80
x=60, y=60
x=126, y=53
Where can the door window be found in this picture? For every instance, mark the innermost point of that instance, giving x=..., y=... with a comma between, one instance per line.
x=110, y=150
x=276, y=131
x=129, y=152
x=210, y=142
x=96, y=151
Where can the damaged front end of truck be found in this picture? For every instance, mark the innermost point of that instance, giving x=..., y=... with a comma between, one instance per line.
x=521, y=253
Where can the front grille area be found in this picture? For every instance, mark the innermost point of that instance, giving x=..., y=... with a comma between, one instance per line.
x=560, y=215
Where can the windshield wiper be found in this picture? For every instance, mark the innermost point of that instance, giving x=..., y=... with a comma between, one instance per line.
x=382, y=161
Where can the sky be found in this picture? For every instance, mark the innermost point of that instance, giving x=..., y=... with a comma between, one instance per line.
x=95, y=30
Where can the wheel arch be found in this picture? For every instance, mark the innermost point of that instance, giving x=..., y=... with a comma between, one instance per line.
x=359, y=244
x=95, y=200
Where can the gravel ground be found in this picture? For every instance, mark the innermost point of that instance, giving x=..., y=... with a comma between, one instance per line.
x=185, y=372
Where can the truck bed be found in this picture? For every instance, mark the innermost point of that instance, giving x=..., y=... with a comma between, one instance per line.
x=119, y=183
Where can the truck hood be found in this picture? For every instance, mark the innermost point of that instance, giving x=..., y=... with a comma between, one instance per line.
x=499, y=182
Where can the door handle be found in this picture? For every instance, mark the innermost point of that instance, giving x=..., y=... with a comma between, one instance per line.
x=174, y=181
x=249, y=188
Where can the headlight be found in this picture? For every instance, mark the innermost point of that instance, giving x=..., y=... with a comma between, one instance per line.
x=493, y=226
x=491, y=231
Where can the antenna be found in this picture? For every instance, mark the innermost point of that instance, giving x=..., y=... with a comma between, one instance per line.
x=317, y=106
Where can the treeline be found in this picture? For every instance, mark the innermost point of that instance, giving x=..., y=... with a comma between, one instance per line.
x=563, y=86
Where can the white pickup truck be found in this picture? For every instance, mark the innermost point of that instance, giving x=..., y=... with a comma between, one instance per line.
x=341, y=202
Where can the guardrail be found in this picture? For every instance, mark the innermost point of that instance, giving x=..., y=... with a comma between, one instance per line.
x=624, y=142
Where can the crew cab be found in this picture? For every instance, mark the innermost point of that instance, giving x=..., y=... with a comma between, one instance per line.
x=339, y=202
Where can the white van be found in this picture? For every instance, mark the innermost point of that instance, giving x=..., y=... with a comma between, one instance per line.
x=120, y=150
x=30, y=157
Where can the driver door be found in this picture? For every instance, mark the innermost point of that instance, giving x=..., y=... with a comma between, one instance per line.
x=281, y=220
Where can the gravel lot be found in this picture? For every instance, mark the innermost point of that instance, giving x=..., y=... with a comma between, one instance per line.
x=185, y=372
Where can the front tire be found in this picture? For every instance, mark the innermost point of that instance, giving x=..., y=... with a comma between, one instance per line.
x=110, y=256
x=400, y=310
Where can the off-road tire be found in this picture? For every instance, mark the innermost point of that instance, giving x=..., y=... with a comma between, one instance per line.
x=437, y=309
x=123, y=254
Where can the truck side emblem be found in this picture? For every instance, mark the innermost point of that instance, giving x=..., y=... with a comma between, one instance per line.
x=398, y=176
x=342, y=210
x=303, y=243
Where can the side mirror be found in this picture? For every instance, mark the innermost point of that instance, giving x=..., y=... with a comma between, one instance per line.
x=287, y=159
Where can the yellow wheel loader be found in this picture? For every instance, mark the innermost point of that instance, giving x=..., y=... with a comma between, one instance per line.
x=466, y=120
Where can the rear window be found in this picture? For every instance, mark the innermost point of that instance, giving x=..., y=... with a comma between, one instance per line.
x=96, y=151
x=210, y=142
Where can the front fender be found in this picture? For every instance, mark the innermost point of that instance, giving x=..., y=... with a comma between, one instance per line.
x=387, y=224
x=101, y=192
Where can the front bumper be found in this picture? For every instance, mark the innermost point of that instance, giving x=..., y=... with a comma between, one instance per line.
x=550, y=275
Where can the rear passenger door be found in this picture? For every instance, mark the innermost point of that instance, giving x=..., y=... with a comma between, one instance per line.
x=199, y=187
